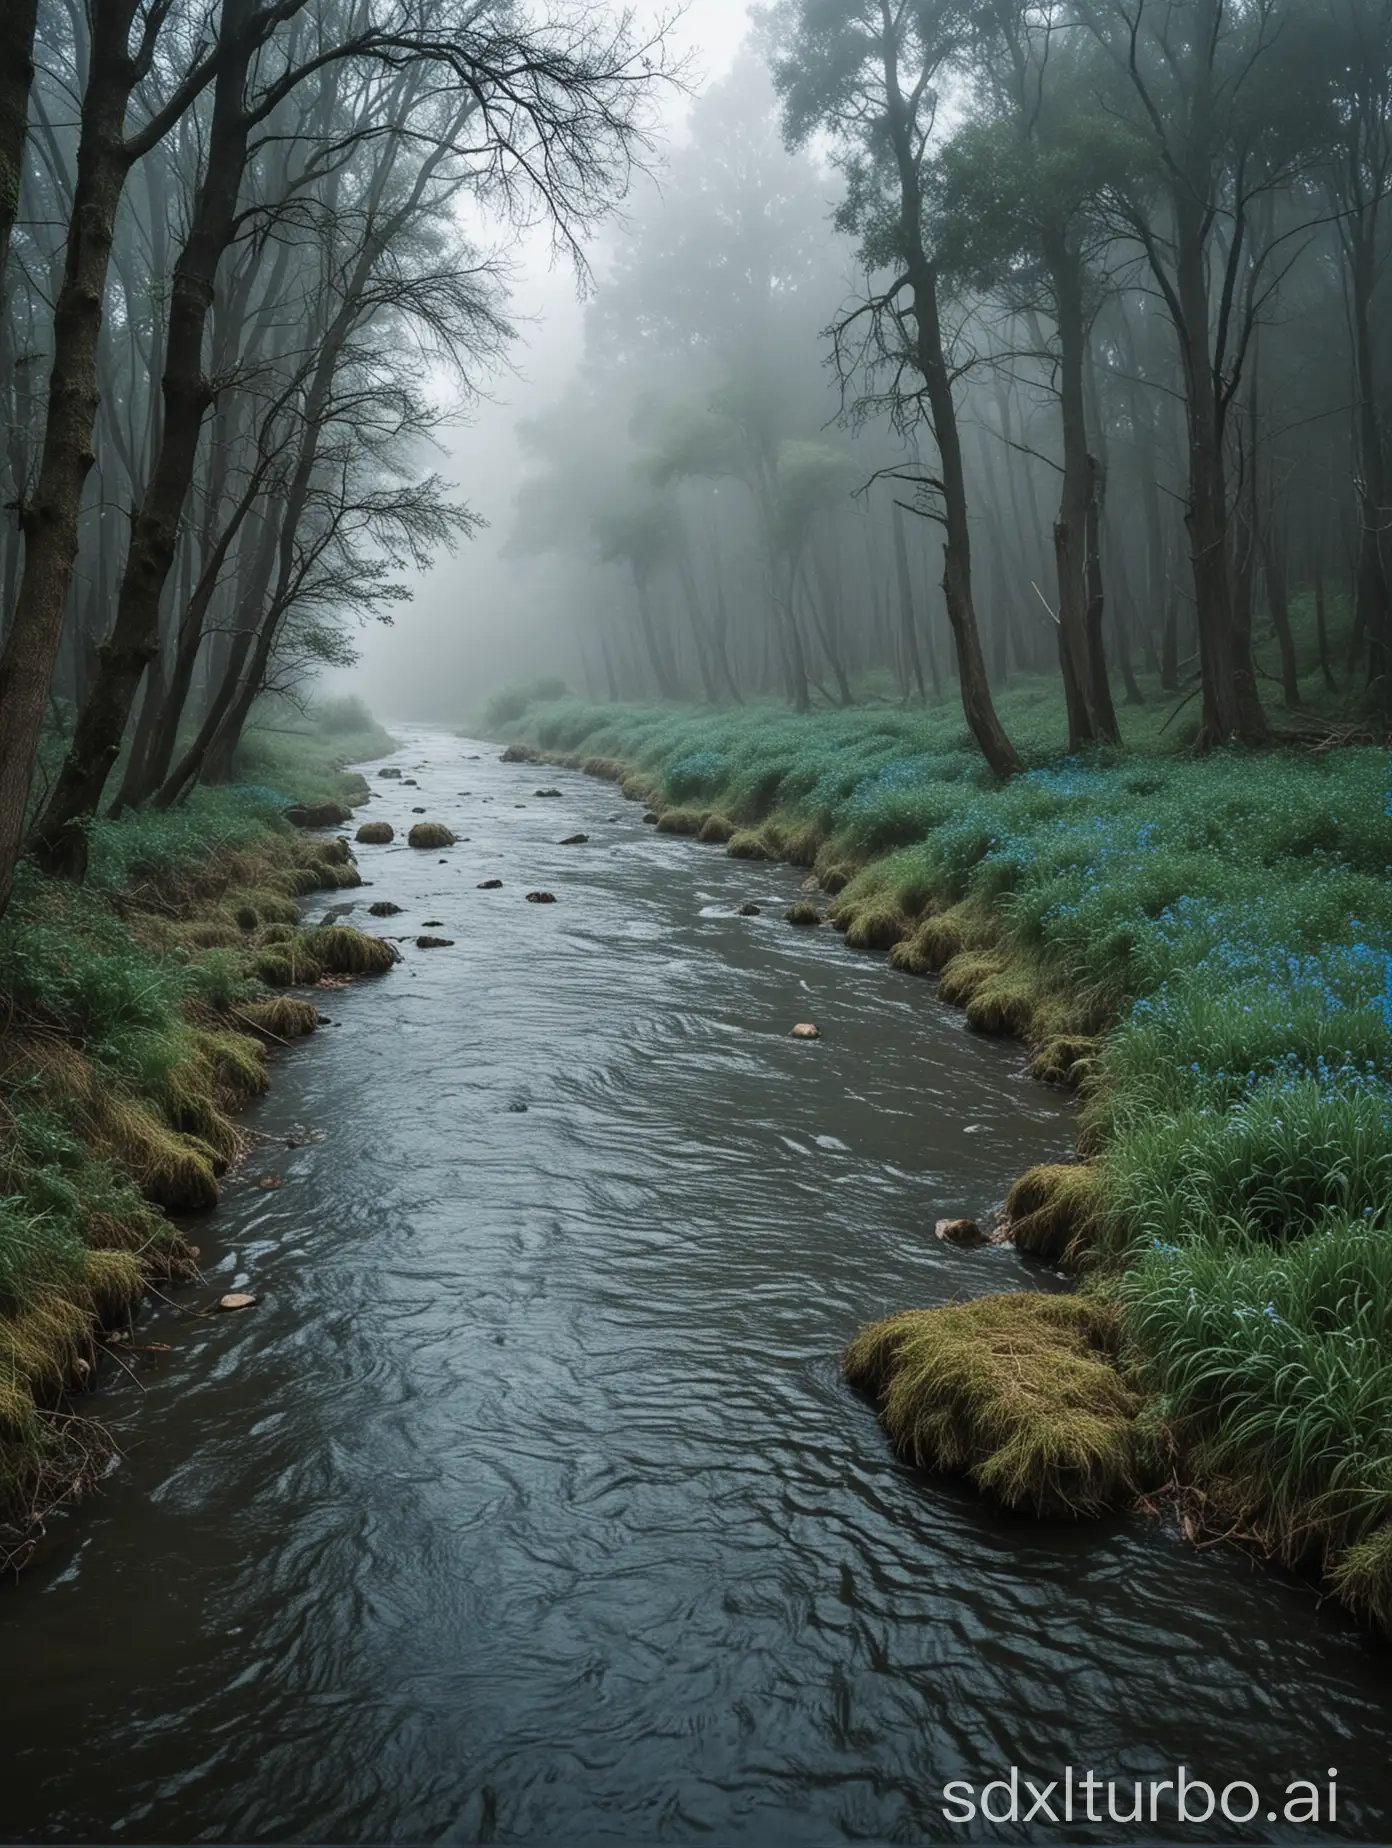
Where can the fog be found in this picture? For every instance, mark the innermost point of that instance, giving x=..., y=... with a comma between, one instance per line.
x=827, y=353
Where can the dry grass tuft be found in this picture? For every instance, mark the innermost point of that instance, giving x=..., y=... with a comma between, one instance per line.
x=1055, y=1210
x=876, y=926
x=968, y=971
x=748, y=844
x=803, y=913
x=716, y=829
x=1018, y=1392
x=376, y=833
x=680, y=821
x=343, y=950
x=283, y=1017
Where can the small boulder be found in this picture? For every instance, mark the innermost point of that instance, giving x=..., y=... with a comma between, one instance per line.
x=750, y=910
x=959, y=1232
x=434, y=943
x=430, y=834
x=318, y=815
x=652, y=818
x=390, y=772
x=805, y=1030
x=384, y=908
x=408, y=782
x=417, y=811
x=237, y=1299
x=432, y=923
x=574, y=840
x=376, y=833
x=548, y=792
x=541, y=898
x=489, y=885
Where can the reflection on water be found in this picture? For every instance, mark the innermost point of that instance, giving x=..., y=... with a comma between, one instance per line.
x=528, y=1503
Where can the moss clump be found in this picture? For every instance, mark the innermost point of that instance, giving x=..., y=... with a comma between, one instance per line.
x=876, y=926
x=282, y=1017
x=747, y=844
x=287, y=964
x=376, y=833
x=1004, y=1005
x=800, y=843
x=680, y=821
x=605, y=767
x=430, y=834
x=716, y=829
x=345, y=951
x=968, y=971
x=1055, y=1210
x=1065, y=1058
x=1018, y=1392
x=803, y=913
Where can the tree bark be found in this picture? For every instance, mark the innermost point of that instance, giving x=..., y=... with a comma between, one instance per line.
x=931, y=363
x=18, y=20
x=60, y=841
x=50, y=519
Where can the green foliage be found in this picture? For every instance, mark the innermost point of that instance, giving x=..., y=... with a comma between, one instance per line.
x=1229, y=920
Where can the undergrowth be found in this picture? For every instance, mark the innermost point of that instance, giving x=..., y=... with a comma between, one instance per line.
x=134, y=1024
x=1204, y=946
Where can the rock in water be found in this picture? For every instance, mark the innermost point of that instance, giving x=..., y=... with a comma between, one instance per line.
x=749, y=911
x=237, y=1299
x=541, y=898
x=317, y=815
x=959, y=1232
x=574, y=840
x=548, y=792
x=384, y=908
x=651, y=818
x=434, y=943
x=430, y=834
x=805, y=1030
x=489, y=885
x=390, y=772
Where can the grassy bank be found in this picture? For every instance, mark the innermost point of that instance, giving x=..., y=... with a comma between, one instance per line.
x=1205, y=948
x=137, y=1016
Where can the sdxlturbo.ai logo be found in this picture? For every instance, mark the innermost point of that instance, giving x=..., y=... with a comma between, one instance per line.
x=1085, y=1797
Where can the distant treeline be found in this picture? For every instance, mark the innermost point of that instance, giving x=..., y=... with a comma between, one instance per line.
x=1091, y=372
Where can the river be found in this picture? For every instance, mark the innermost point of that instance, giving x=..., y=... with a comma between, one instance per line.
x=527, y=1504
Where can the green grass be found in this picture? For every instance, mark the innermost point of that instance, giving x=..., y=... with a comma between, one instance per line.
x=134, y=1027
x=1206, y=944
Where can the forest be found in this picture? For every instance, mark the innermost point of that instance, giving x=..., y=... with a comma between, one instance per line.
x=960, y=525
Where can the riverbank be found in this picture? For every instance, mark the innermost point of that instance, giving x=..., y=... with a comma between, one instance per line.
x=1205, y=948
x=138, y=1013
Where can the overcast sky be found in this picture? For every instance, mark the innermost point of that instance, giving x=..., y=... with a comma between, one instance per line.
x=478, y=618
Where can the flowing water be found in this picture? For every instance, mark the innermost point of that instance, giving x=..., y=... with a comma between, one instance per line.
x=528, y=1504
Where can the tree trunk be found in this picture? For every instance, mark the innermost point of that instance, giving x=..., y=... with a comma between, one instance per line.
x=60, y=839
x=930, y=360
x=18, y=19
x=906, y=609
x=50, y=520
x=1322, y=632
x=1231, y=705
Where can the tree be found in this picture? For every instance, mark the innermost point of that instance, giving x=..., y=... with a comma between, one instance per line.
x=866, y=74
